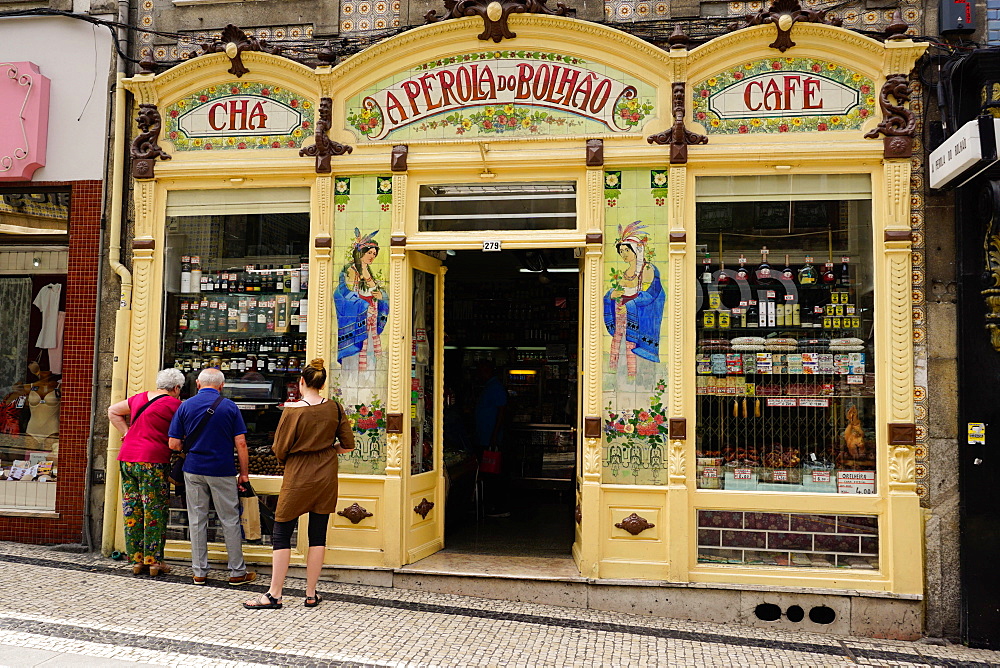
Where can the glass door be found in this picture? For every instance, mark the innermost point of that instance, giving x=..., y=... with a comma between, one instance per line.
x=424, y=479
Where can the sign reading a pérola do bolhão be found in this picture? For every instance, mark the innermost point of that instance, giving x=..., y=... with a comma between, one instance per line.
x=501, y=92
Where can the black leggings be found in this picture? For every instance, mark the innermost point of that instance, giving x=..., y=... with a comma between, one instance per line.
x=281, y=536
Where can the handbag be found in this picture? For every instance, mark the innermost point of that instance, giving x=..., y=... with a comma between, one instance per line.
x=491, y=461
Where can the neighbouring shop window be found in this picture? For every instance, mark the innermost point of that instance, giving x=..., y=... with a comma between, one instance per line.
x=788, y=539
x=236, y=281
x=470, y=207
x=34, y=236
x=785, y=362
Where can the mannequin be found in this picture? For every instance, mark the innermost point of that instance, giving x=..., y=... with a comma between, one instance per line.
x=43, y=399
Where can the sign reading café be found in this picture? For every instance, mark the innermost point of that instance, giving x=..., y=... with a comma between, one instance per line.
x=783, y=95
x=501, y=92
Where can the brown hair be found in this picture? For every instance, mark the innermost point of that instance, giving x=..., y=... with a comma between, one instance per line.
x=314, y=375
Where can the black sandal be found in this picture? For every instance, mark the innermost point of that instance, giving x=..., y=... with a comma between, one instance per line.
x=272, y=603
x=313, y=601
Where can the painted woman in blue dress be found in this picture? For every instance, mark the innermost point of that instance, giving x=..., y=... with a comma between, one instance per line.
x=362, y=305
x=633, y=307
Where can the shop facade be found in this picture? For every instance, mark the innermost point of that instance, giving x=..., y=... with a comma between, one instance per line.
x=737, y=350
x=51, y=188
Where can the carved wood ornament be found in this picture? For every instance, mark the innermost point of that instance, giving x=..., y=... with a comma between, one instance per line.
x=495, y=13
x=233, y=43
x=898, y=123
x=423, y=508
x=145, y=148
x=324, y=148
x=634, y=524
x=784, y=14
x=355, y=513
x=678, y=136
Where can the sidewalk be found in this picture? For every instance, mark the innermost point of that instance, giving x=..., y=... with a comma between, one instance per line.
x=63, y=609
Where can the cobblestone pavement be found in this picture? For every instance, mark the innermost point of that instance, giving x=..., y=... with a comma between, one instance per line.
x=65, y=609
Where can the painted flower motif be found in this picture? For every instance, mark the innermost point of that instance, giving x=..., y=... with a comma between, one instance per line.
x=526, y=123
x=508, y=109
x=783, y=127
x=660, y=178
x=242, y=144
x=293, y=103
x=276, y=144
x=629, y=428
x=835, y=120
x=385, y=185
x=611, y=180
x=856, y=77
x=466, y=123
x=341, y=186
x=713, y=81
x=366, y=114
x=831, y=66
x=203, y=98
x=870, y=100
x=704, y=92
x=755, y=122
x=863, y=113
x=821, y=127
x=208, y=146
x=489, y=112
x=234, y=90
x=748, y=66
x=816, y=67
x=737, y=75
x=865, y=88
x=743, y=129
x=796, y=122
x=715, y=123
x=776, y=65
x=265, y=92
x=700, y=115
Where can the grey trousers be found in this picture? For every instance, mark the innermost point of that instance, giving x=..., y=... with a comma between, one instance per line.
x=227, y=506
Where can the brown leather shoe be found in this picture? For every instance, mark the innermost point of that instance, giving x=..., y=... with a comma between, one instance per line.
x=158, y=569
x=246, y=578
x=199, y=579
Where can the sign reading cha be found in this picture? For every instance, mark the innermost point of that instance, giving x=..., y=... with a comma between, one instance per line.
x=561, y=87
x=783, y=94
x=243, y=115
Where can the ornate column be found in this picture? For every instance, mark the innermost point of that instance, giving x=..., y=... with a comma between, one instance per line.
x=589, y=514
x=319, y=319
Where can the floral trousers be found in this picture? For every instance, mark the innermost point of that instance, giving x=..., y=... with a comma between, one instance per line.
x=145, y=498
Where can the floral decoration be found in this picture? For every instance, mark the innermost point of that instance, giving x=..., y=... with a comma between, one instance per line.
x=636, y=438
x=365, y=121
x=632, y=112
x=368, y=421
x=181, y=142
x=384, y=191
x=612, y=187
x=342, y=192
x=658, y=184
x=498, y=120
x=852, y=120
x=494, y=55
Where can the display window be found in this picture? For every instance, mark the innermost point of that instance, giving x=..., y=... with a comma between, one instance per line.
x=34, y=237
x=785, y=360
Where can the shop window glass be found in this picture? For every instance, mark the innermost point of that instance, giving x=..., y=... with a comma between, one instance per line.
x=236, y=280
x=785, y=361
x=469, y=207
x=34, y=229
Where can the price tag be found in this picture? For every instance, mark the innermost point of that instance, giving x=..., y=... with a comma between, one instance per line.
x=743, y=474
x=814, y=403
x=781, y=475
x=856, y=482
x=821, y=476
x=782, y=402
x=710, y=472
x=491, y=245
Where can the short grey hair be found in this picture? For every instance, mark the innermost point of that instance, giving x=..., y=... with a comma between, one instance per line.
x=168, y=379
x=211, y=377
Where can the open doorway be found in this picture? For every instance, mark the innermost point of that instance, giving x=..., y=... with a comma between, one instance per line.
x=511, y=401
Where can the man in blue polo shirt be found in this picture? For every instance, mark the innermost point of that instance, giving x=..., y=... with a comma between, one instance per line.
x=209, y=471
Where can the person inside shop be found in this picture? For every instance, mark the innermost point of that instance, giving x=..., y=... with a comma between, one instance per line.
x=302, y=442
x=143, y=420
x=207, y=427
x=491, y=407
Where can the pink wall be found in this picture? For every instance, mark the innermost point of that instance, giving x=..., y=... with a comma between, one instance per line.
x=24, y=120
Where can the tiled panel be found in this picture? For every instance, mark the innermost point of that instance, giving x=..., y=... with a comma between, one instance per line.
x=787, y=539
x=358, y=16
x=78, y=348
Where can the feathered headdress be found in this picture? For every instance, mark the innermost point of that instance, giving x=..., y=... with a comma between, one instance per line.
x=632, y=232
x=366, y=241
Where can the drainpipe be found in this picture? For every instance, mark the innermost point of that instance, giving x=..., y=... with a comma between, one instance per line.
x=123, y=316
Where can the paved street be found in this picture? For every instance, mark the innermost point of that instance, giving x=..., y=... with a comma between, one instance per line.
x=64, y=609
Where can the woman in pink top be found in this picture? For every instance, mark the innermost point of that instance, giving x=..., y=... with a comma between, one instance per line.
x=144, y=460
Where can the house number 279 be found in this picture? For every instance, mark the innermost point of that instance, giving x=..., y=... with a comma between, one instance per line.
x=491, y=245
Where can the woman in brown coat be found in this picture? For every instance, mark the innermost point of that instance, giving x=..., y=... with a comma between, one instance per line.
x=305, y=443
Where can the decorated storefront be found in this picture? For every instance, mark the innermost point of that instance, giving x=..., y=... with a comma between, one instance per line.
x=690, y=268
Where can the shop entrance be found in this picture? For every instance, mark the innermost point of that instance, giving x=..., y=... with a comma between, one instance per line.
x=511, y=330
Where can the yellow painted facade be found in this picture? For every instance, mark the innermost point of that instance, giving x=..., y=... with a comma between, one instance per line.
x=395, y=535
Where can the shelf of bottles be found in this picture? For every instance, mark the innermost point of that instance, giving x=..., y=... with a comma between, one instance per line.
x=250, y=323
x=784, y=376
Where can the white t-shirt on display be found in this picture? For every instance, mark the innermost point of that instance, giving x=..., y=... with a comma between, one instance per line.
x=47, y=301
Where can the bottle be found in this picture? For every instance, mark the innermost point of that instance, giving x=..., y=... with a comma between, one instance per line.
x=241, y=282
x=753, y=314
x=224, y=281
x=256, y=278
x=844, y=280
x=203, y=315
x=196, y=272
x=787, y=274
x=303, y=313
x=182, y=323
x=185, y=274
x=763, y=269
x=304, y=271
x=221, y=317
x=742, y=273
x=706, y=269
x=293, y=319
x=270, y=316
x=828, y=277
x=194, y=317
x=296, y=281
x=244, y=316
x=721, y=277
x=287, y=284
x=807, y=274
